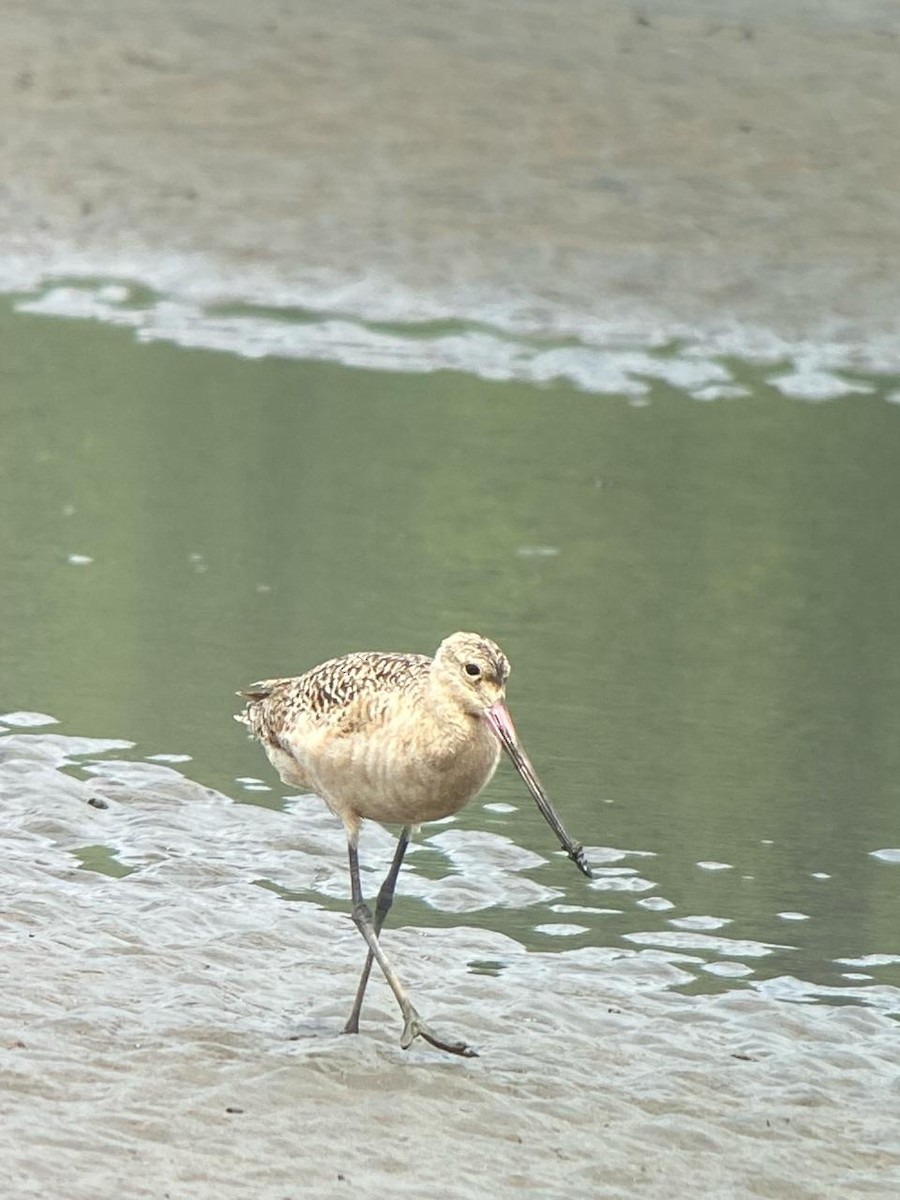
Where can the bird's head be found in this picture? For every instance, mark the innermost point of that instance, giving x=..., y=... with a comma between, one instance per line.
x=473, y=670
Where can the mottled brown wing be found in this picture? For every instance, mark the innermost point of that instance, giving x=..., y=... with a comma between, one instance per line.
x=336, y=692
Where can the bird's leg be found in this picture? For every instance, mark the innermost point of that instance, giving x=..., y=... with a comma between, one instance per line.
x=382, y=908
x=413, y=1026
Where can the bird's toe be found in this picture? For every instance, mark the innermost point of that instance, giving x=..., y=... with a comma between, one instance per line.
x=416, y=1027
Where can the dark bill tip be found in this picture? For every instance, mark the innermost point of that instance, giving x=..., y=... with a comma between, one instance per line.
x=500, y=721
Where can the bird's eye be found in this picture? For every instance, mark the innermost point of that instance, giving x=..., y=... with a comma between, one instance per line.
x=473, y=669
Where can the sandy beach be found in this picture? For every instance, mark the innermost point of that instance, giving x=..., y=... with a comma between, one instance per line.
x=179, y=1032
x=660, y=166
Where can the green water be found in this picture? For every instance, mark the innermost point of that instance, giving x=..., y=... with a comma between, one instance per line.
x=700, y=601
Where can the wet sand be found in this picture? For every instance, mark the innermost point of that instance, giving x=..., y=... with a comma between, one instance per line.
x=175, y=1032
x=661, y=167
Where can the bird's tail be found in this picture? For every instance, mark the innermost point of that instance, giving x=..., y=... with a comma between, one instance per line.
x=253, y=695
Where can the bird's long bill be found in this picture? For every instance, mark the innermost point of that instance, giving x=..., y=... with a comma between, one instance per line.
x=500, y=721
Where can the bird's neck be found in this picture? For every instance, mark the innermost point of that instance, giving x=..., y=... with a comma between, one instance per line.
x=447, y=713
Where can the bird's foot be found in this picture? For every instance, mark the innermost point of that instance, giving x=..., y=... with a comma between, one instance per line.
x=416, y=1027
x=579, y=858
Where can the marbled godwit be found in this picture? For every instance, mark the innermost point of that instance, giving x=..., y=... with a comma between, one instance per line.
x=395, y=738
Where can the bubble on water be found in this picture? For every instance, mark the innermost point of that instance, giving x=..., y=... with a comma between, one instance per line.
x=598, y=855
x=856, y=976
x=499, y=807
x=79, y=560
x=585, y=908
x=608, y=882
x=560, y=929
x=727, y=970
x=656, y=903
x=537, y=551
x=114, y=293
x=169, y=758
x=870, y=960
x=720, y=391
x=792, y=916
x=722, y=946
x=715, y=866
x=701, y=923
x=25, y=720
x=816, y=385
x=819, y=875
x=888, y=855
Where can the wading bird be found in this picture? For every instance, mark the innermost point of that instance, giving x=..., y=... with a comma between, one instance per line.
x=397, y=738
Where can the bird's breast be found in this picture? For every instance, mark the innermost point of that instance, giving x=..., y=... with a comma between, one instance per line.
x=404, y=772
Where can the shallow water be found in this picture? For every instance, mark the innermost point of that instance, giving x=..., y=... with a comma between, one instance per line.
x=697, y=598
